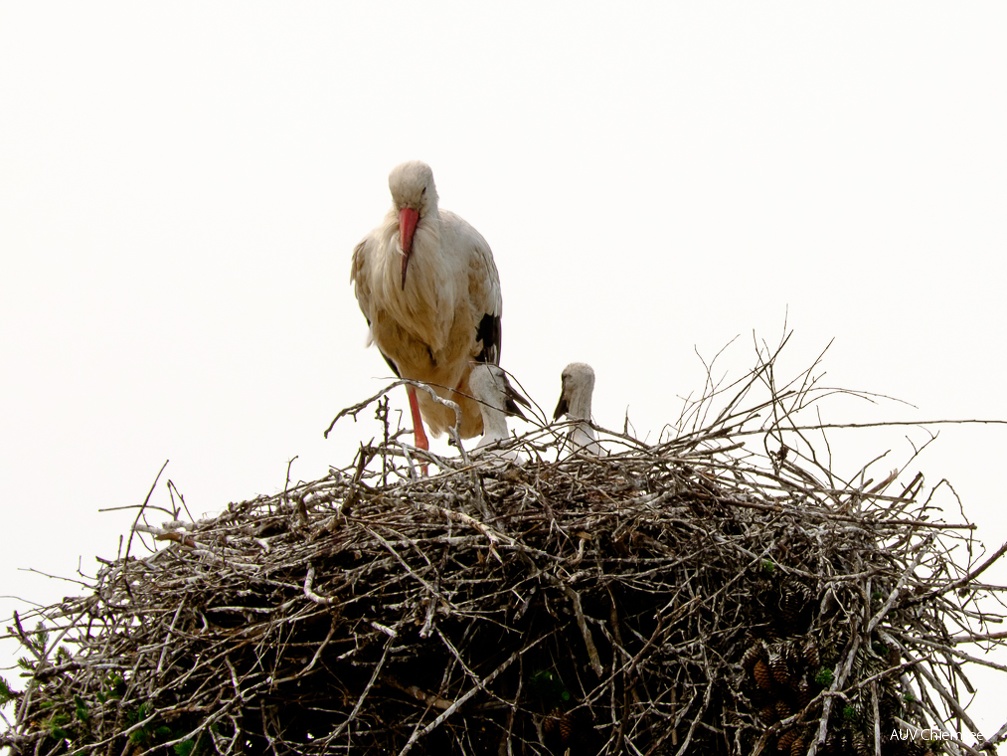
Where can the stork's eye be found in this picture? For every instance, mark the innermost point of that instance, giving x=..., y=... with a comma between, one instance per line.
x=423, y=192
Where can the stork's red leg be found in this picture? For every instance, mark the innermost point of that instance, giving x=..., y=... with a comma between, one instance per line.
x=418, y=432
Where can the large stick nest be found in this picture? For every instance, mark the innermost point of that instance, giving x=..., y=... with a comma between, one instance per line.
x=720, y=592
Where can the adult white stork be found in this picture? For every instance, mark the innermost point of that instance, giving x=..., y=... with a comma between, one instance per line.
x=575, y=403
x=428, y=286
x=497, y=399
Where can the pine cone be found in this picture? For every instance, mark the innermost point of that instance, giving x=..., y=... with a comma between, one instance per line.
x=804, y=693
x=565, y=728
x=786, y=740
x=780, y=669
x=752, y=654
x=762, y=675
x=783, y=709
x=811, y=655
x=794, y=602
x=556, y=729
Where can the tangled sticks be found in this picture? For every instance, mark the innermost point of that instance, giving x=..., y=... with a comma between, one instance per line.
x=720, y=592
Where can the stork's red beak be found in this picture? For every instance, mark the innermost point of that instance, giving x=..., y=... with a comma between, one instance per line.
x=409, y=217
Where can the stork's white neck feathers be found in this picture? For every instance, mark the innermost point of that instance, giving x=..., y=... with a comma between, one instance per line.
x=427, y=300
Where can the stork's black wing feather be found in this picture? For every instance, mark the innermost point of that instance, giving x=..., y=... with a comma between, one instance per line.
x=488, y=333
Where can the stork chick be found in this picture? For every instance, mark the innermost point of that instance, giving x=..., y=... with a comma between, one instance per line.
x=497, y=399
x=575, y=403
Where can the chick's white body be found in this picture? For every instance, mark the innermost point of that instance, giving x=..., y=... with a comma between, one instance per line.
x=497, y=398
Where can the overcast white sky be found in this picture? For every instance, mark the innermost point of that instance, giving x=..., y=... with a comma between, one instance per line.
x=182, y=185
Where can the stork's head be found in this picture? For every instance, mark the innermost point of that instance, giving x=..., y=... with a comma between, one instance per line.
x=491, y=387
x=415, y=197
x=575, y=396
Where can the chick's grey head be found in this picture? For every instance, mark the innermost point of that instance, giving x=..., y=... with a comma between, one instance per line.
x=487, y=383
x=575, y=394
x=490, y=385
